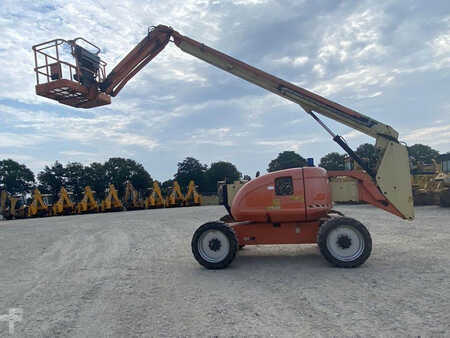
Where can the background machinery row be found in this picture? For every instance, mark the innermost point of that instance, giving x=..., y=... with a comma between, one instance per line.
x=431, y=182
x=41, y=205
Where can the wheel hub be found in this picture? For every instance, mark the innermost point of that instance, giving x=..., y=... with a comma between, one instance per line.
x=344, y=242
x=214, y=244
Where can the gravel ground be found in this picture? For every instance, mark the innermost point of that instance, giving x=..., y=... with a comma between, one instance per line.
x=133, y=274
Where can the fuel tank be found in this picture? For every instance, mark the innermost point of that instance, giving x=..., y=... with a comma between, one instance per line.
x=290, y=195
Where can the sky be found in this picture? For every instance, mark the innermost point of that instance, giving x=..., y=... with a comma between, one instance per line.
x=389, y=60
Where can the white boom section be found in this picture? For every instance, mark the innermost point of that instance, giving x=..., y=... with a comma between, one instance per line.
x=303, y=97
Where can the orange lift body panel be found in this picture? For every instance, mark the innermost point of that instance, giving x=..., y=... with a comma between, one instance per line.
x=291, y=195
x=284, y=207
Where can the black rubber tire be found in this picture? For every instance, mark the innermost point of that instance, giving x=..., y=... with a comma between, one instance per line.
x=228, y=232
x=334, y=223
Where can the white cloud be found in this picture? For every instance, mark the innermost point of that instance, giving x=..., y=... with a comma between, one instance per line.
x=106, y=128
x=134, y=140
x=356, y=37
x=77, y=153
x=352, y=134
x=293, y=145
x=363, y=81
x=249, y=2
x=213, y=136
x=432, y=136
x=293, y=61
x=441, y=43
x=34, y=163
x=13, y=140
x=319, y=70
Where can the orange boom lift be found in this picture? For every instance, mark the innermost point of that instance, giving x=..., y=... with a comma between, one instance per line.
x=286, y=207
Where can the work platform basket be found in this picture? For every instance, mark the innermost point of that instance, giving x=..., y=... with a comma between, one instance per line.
x=74, y=84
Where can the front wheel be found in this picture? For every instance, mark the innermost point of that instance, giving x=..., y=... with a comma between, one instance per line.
x=344, y=242
x=214, y=245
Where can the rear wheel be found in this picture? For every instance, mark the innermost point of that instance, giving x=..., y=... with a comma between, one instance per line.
x=344, y=242
x=214, y=245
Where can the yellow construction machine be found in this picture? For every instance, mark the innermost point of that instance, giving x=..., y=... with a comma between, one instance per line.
x=441, y=182
x=175, y=197
x=427, y=180
x=64, y=206
x=88, y=204
x=112, y=201
x=440, y=187
x=192, y=198
x=4, y=197
x=131, y=200
x=155, y=199
x=13, y=207
x=444, y=195
x=39, y=207
x=18, y=207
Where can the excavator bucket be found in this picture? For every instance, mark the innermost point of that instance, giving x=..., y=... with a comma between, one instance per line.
x=70, y=79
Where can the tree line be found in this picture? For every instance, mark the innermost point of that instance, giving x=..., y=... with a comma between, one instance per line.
x=16, y=178
x=418, y=153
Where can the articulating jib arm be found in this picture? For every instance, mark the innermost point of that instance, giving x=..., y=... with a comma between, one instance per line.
x=142, y=54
